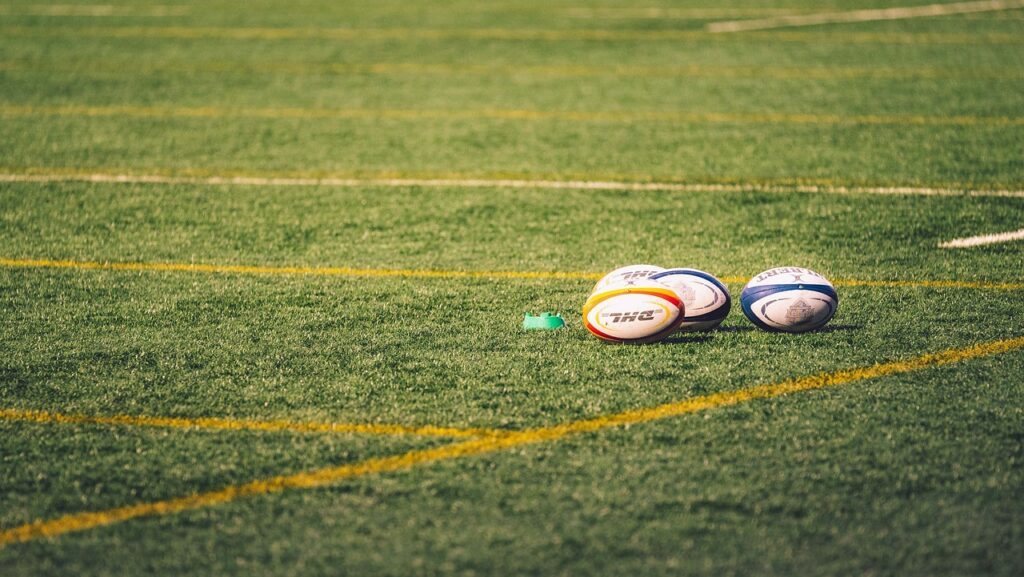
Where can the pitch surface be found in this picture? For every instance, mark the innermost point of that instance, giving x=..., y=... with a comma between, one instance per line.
x=275, y=382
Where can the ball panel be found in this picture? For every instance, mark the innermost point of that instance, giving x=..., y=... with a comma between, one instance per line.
x=631, y=317
x=599, y=333
x=636, y=312
x=706, y=299
x=788, y=275
x=794, y=311
x=759, y=292
x=747, y=305
x=636, y=287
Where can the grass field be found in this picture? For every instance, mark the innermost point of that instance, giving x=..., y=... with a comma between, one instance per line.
x=263, y=269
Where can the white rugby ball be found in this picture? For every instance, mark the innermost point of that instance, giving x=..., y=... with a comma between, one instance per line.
x=705, y=298
x=640, y=311
x=625, y=274
x=789, y=299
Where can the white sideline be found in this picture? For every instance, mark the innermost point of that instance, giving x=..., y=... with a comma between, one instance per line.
x=503, y=183
x=864, y=15
x=983, y=239
x=92, y=10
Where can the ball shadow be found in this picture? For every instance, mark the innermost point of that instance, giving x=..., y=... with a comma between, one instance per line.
x=709, y=336
x=838, y=328
x=825, y=329
x=695, y=339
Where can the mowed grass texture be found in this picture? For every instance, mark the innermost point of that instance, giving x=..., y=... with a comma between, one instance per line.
x=915, y=473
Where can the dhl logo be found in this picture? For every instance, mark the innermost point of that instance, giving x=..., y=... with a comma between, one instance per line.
x=637, y=274
x=647, y=315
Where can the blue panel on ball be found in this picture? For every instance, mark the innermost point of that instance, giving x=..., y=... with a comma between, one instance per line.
x=763, y=291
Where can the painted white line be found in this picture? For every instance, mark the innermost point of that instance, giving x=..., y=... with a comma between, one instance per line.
x=502, y=183
x=865, y=15
x=92, y=10
x=983, y=239
x=596, y=13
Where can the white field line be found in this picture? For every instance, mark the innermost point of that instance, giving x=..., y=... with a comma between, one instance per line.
x=502, y=183
x=865, y=15
x=983, y=239
x=677, y=13
x=92, y=10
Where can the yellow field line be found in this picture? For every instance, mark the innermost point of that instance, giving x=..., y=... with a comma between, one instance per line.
x=290, y=270
x=940, y=284
x=429, y=274
x=506, y=114
x=229, y=424
x=454, y=274
x=505, y=34
x=89, y=520
x=545, y=71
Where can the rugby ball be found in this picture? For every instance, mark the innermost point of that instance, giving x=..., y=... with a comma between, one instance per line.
x=705, y=298
x=640, y=311
x=625, y=274
x=789, y=299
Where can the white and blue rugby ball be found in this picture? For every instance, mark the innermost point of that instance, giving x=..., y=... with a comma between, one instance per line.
x=705, y=298
x=789, y=299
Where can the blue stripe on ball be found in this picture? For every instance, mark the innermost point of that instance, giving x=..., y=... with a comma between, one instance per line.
x=757, y=293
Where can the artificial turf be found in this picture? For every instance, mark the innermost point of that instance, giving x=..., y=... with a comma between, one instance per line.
x=913, y=474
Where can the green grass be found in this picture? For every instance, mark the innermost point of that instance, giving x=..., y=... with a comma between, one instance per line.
x=914, y=474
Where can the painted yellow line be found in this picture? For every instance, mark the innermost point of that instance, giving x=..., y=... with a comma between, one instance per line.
x=504, y=34
x=612, y=116
x=83, y=521
x=229, y=424
x=132, y=68
x=452, y=274
x=937, y=284
x=292, y=270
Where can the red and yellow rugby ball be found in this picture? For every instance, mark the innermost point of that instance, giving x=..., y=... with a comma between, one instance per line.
x=640, y=311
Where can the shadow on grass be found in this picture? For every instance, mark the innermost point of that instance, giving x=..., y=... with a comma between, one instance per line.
x=839, y=328
x=707, y=337
x=696, y=339
x=825, y=329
